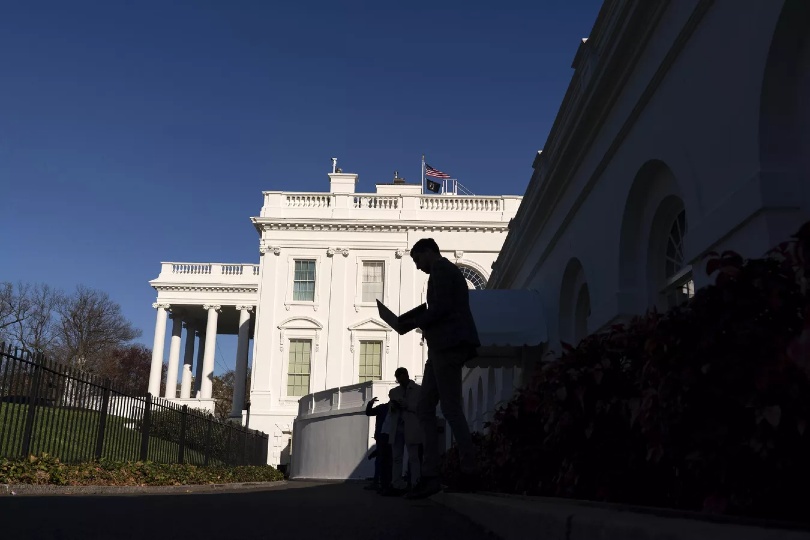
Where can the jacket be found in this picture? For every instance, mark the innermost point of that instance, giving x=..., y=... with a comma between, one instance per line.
x=410, y=396
x=448, y=321
x=379, y=412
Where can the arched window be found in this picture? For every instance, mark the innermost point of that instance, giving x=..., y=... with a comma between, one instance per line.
x=679, y=284
x=474, y=279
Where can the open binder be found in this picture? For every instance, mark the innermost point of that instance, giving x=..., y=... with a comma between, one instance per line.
x=404, y=323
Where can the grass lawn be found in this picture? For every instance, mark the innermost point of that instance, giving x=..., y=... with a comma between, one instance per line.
x=72, y=436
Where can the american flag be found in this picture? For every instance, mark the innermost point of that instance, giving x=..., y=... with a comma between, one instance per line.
x=430, y=171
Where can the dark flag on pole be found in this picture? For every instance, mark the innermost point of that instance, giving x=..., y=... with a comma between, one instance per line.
x=433, y=186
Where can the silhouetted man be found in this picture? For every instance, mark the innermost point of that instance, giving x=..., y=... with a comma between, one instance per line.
x=406, y=431
x=382, y=454
x=449, y=329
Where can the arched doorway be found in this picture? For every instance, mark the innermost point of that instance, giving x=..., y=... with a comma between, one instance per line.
x=653, y=271
x=575, y=304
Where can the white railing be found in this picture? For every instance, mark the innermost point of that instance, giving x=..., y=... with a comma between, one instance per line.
x=382, y=202
x=308, y=200
x=410, y=206
x=341, y=398
x=239, y=272
x=191, y=268
x=463, y=204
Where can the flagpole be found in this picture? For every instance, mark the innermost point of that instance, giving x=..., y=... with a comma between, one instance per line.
x=423, y=174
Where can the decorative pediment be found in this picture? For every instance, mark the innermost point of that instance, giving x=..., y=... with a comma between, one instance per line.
x=368, y=327
x=370, y=324
x=300, y=322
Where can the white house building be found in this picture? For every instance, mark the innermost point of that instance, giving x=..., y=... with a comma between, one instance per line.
x=685, y=130
x=310, y=303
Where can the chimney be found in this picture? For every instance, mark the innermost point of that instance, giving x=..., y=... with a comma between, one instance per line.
x=397, y=179
x=340, y=182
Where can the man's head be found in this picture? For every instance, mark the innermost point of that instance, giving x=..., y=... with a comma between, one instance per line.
x=401, y=375
x=424, y=253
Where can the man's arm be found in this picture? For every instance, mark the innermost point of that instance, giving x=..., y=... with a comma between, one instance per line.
x=444, y=300
x=372, y=411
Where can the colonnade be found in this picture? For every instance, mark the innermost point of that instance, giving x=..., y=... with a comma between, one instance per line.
x=206, y=336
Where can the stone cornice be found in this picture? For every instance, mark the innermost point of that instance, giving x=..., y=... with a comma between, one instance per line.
x=397, y=226
x=205, y=288
x=331, y=252
x=267, y=249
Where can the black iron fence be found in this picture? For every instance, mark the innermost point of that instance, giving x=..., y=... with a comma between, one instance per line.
x=47, y=407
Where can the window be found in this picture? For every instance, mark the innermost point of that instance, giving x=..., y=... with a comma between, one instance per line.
x=373, y=276
x=679, y=284
x=299, y=367
x=304, y=281
x=474, y=279
x=370, y=361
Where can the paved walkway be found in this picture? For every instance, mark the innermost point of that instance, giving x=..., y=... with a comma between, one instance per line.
x=296, y=510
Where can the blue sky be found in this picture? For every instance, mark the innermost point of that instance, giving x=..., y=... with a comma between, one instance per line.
x=138, y=132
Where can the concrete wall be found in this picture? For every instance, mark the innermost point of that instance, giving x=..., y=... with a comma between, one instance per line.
x=332, y=435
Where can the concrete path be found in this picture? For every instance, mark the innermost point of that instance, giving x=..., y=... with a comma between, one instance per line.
x=299, y=510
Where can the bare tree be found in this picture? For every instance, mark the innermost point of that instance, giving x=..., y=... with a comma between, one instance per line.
x=13, y=308
x=128, y=368
x=222, y=391
x=91, y=327
x=37, y=332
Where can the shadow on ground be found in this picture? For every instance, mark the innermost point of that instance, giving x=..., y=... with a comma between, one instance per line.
x=297, y=510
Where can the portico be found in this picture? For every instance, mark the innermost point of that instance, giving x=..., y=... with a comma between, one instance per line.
x=207, y=300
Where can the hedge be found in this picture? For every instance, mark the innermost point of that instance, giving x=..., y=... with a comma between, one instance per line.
x=704, y=407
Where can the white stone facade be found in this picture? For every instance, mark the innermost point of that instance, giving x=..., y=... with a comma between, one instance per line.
x=686, y=126
x=340, y=231
x=340, y=236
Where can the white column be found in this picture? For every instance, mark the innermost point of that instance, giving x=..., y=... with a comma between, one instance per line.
x=188, y=362
x=157, y=348
x=206, y=383
x=174, y=356
x=241, y=361
x=338, y=299
x=200, y=355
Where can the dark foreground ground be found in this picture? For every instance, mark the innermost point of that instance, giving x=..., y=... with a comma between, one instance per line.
x=297, y=510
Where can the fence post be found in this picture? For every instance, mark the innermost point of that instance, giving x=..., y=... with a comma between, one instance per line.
x=102, y=421
x=253, y=449
x=245, y=436
x=33, y=399
x=181, y=453
x=208, y=441
x=147, y=424
x=228, y=446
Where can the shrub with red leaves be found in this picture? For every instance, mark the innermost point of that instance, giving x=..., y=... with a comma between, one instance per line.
x=704, y=407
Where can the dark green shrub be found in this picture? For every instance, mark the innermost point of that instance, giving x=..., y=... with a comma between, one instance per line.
x=46, y=469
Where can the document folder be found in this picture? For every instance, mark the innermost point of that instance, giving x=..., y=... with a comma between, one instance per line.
x=401, y=324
